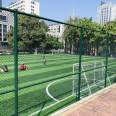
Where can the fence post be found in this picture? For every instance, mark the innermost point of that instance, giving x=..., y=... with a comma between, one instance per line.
x=15, y=33
x=80, y=63
x=106, y=61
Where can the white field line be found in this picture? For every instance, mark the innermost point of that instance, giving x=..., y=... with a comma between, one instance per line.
x=86, y=81
x=47, y=89
x=35, y=113
x=49, y=94
x=88, y=98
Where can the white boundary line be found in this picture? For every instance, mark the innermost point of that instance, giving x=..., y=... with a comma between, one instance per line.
x=35, y=113
x=47, y=89
x=49, y=94
x=86, y=81
x=90, y=98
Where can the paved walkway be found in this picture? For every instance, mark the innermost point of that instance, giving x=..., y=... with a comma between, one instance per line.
x=102, y=103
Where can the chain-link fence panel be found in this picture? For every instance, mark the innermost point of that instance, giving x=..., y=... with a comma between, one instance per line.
x=7, y=98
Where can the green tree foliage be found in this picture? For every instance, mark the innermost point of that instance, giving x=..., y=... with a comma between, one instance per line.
x=111, y=27
x=72, y=35
x=32, y=34
x=94, y=39
x=53, y=43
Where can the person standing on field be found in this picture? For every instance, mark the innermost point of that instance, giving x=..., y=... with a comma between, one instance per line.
x=44, y=60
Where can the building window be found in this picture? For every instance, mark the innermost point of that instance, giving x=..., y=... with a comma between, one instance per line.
x=22, y=1
x=32, y=2
x=32, y=11
x=3, y=18
x=0, y=32
x=4, y=32
x=32, y=6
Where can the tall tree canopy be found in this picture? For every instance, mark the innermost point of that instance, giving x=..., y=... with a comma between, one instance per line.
x=32, y=34
x=111, y=27
x=72, y=35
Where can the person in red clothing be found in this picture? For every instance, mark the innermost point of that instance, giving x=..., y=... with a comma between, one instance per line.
x=22, y=67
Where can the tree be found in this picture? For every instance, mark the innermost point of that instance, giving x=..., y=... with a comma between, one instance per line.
x=72, y=34
x=31, y=33
x=52, y=43
x=111, y=27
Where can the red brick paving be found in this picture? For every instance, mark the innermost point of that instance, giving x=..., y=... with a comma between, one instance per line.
x=103, y=104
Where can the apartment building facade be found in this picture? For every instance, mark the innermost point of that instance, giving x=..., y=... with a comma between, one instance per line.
x=27, y=6
x=106, y=12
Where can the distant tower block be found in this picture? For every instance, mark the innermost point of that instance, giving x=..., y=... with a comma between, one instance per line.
x=27, y=6
x=106, y=12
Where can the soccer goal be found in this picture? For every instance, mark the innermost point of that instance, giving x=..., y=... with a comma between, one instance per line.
x=93, y=74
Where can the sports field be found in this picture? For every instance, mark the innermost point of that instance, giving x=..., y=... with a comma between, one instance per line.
x=52, y=82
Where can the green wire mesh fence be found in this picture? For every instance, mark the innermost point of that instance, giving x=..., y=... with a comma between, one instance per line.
x=47, y=64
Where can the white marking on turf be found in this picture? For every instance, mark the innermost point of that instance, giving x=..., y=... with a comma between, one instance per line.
x=49, y=94
x=35, y=113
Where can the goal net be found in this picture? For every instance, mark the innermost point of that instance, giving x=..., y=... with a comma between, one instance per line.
x=93, y=74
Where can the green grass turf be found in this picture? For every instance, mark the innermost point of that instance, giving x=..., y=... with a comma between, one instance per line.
x=34, y=97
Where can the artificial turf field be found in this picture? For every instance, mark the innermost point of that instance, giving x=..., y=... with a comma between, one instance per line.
x=46, y=78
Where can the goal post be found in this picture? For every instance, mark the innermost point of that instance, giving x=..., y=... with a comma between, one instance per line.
x=93, y=73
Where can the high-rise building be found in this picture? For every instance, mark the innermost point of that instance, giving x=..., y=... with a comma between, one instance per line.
x=106, y=12
x=27, y=6
x=5, y=23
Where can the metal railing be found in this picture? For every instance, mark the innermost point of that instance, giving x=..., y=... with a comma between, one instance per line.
x=80, y=72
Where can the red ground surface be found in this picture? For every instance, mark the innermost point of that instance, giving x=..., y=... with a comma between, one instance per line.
x=101, y=104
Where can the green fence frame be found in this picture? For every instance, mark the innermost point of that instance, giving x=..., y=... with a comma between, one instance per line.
x=16, y=60
x=17, y=89
x=80, y=62
x=106, y=61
